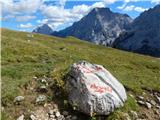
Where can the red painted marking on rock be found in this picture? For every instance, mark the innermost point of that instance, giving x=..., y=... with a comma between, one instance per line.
x=100, y=89
x=87, y=70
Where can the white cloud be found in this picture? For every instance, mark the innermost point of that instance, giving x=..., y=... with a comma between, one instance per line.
x=109, y=1
x=22, y=6
x=24, y=18
x=80, y=9
x=140, y=9
x=98, y=4
x=7, y=17
x=44, y=21
x=133, y=8
x=155, y=1
x=56, y=15
x=25, y=26
x=21, y=10
x=18, y=18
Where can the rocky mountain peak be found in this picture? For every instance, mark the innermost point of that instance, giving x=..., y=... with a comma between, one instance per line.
x=143, y=35
x=102, y=10
x=100, y=26
x=43, y=29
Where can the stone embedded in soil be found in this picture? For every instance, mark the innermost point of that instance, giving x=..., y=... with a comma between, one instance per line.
x=35, y=78
x=20, y=117
x=41, y=99
x=158, y=98
x=51, y=112
x=61, y=117
x=141, y=97
x=52, y=116
x=131, y=95
x=148, y=105
x=2, y=109
x=32, y=117
x=153, y=102
x=141, y=102
x=57, y=114
x=134, y=114
x=18, y=99
x=44, y=81
x=42, y=89
x=126, y=116
x=158, y=107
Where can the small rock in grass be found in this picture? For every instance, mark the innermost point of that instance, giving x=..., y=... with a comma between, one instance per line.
x=57, y=114
x=35, y=78
x=158, y=98
x=126, y=116
x=153, y=102
x=42, y=89
x=61, y=117
x=20, y=117
x=131, y=95
x=51, y=112
x=52, y=116
x=18, y=99
x=2, y=108
x=157, y=112
x=40, y=99
x=32, y=117
x=44, y=81
x=141, y=97
x=158, y=107
x=134, y=115
x=148, y=105
x=55, y=106
x=30, y=35
x=141, y=102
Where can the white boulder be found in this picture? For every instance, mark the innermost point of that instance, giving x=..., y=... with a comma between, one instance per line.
x=93, y=90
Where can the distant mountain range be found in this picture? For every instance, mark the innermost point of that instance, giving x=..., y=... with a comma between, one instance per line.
x=104, y=27
x=100, y=26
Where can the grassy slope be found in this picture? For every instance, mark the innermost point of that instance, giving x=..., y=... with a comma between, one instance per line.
x=43, y=55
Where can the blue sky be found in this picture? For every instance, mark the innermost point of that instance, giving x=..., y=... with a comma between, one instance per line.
x=25, y=15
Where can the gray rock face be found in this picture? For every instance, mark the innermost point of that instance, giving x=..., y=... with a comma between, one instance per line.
x=100, y=26
x=43, y=29
x=143, y=35
x=93, y=90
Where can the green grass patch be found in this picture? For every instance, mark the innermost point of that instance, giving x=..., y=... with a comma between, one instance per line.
x=24, y=57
